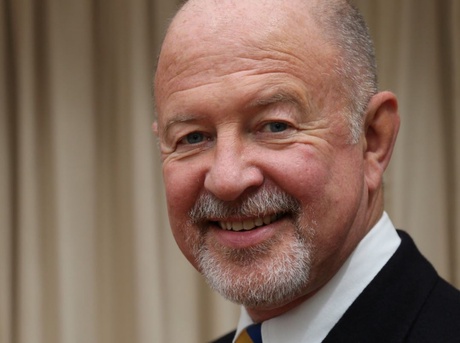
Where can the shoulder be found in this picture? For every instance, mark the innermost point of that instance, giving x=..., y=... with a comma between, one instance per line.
x=228, y=338
x=406, y=302
x=439, y=318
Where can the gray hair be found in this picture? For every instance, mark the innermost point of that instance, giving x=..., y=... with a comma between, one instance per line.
x=344, y=26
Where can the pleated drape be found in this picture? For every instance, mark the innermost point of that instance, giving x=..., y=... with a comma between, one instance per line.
x=418, y=46
x=86, y=254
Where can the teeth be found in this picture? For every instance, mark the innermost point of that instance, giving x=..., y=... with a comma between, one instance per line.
x=267, y=220
x=238, y=226
x=247, y=224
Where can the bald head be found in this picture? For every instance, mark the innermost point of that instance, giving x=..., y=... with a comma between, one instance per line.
x=204, y=27
x=308, y=26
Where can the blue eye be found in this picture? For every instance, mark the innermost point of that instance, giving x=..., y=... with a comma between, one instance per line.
x=277, y=127
x=194, y=138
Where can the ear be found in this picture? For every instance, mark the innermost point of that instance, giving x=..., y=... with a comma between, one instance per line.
x=155, y=128
x=381, y=127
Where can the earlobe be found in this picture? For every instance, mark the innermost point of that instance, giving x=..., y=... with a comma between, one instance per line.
x=381, y=129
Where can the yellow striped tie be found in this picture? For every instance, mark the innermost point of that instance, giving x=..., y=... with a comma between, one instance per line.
x=251, y=334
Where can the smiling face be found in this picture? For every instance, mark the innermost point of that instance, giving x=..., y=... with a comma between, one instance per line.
x=266, y=196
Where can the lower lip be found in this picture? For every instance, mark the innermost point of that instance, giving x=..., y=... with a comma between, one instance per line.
x=246, y=239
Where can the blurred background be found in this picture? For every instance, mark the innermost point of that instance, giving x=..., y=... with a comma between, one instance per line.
x=86, y=253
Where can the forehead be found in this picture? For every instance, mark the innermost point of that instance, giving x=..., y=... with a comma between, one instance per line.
x=211, y=40
x=226, y=23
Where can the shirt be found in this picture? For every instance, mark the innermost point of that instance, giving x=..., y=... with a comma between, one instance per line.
x=312, y=320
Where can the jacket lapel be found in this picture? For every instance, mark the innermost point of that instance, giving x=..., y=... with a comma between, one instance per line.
x=388, y=306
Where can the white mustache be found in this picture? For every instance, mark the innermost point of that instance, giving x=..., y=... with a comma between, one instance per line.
x=264, y=202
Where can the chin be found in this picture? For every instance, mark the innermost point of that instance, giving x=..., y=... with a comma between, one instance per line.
x=268, y=275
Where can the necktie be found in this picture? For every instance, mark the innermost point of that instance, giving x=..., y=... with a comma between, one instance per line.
x=251, y=334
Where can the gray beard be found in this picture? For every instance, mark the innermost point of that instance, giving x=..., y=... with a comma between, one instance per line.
x=267, y=275
x=258, y=277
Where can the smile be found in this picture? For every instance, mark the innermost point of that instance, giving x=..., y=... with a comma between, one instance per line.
x=248, y=224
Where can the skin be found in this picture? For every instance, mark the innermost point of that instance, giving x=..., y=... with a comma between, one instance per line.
x=246, y=99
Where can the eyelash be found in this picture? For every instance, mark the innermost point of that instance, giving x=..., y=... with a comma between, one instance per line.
x=183, y=140
x=285, y=125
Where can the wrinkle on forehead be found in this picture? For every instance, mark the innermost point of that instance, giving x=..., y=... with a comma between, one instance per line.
x=207, y=68
x=213, y=39
x=236, y=48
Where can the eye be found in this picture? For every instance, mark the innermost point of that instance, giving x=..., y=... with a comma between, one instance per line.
x=275, y=127
x=193, y=138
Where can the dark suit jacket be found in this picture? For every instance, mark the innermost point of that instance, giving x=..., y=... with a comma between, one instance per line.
x=406, y=302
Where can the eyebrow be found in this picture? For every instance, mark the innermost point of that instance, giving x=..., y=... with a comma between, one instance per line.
x=180, y=118
x=280, y=96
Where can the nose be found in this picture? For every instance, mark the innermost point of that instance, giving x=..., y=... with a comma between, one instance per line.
x=232, y=170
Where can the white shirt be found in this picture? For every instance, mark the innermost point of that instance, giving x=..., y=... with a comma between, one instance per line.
x=312, y=320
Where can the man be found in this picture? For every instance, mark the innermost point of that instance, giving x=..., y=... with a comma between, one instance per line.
x=274, y=140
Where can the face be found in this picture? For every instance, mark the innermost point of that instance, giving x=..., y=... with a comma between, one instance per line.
x=266, y=196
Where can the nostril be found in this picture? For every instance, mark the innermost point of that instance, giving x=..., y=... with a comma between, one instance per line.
x=229, y=185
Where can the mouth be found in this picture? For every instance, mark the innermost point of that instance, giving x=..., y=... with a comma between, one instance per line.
x=248, y=224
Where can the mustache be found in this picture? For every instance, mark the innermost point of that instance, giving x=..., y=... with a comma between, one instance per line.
x=265, y=201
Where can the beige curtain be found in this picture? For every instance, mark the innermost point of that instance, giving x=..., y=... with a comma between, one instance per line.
x=85, y=249
x=418, y=50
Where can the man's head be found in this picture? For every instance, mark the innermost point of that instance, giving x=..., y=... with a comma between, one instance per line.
x=274, y=140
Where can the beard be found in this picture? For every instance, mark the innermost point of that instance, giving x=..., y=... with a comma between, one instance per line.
x=266, y=275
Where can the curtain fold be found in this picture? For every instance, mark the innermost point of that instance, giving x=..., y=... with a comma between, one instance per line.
x=417, y=46
x=86, y=254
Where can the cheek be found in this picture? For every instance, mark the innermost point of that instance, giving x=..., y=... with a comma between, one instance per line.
x=182, y=186
x=329, y=186
x=300, y=172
